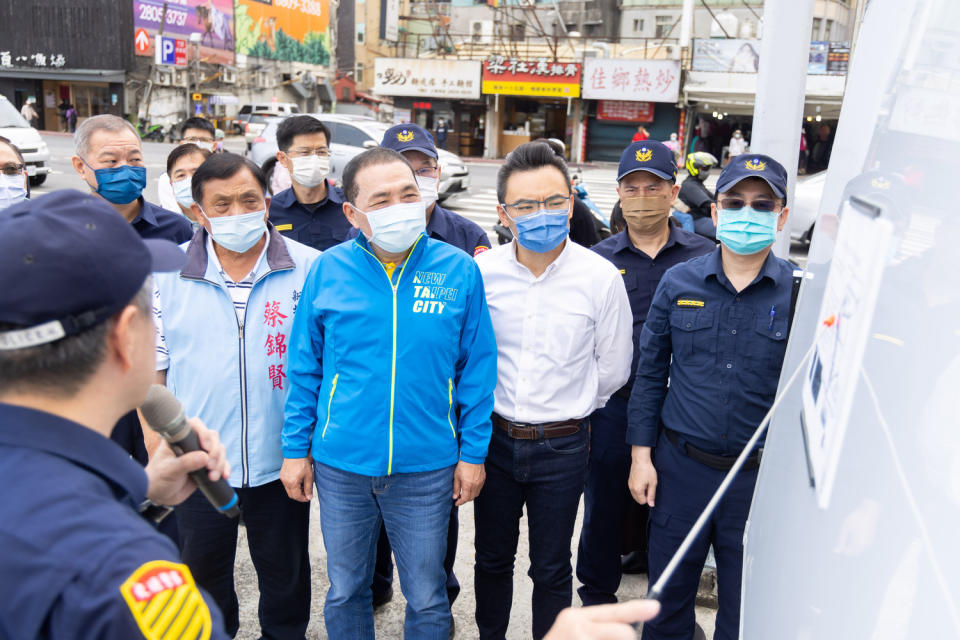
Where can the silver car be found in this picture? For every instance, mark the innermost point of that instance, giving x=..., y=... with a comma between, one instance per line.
x=351, y=135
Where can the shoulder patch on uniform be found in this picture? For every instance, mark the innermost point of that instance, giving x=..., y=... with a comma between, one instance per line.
x=283, y=227
x=690, y=303
x=478, y=250
x=165, y=602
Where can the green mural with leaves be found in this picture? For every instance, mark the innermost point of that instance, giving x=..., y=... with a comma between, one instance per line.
x=254, y=38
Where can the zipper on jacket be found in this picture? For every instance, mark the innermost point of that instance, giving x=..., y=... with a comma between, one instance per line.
x=450, y=408
x=244, y=461
x=393, y=368
x=333, y=389
x=243, y=403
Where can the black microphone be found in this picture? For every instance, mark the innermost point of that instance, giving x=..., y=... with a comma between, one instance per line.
x=164, y=413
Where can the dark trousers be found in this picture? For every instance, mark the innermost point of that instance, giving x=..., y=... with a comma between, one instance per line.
x=612, y=521
x=277, y=535
x=684, y=487
x=547, y=476
x=383, y=570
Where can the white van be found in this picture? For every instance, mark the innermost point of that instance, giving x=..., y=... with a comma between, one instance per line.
x=262, y=108
x=36, y=155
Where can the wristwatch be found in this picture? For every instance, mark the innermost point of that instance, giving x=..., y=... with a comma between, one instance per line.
x=153, y=512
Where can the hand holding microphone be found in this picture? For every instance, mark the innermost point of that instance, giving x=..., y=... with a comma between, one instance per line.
x=168, y=484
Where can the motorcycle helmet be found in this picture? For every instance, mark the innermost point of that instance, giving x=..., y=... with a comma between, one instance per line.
x=699, y=163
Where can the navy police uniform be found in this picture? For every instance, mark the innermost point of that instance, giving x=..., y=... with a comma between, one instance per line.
x=722, y=351
x=320, y=225
x=76, y=559
x=607, y=500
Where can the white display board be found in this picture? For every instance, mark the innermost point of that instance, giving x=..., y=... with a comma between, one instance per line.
x=859, y=257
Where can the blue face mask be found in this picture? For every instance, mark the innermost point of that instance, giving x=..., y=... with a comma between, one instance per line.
x=12, y=190
x=120, y=185
x=182, y=192
x=747, y=231
x=238, y=233
x=542, y=231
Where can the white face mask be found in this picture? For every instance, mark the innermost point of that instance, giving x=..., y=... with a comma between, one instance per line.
x=310, y=171
x=12, y=190
x=238, y=233
x=428, y=189
x=395, y=228
x=183, y=193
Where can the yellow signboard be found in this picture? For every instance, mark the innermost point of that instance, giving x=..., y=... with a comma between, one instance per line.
x=544, y=89
x=197, y=97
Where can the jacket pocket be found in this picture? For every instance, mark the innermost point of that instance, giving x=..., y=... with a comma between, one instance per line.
x=453, y=430
x=333, y=389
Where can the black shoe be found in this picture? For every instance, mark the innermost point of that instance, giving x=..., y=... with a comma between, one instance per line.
x=453, y=627
x=633, y=563
x=383, y=598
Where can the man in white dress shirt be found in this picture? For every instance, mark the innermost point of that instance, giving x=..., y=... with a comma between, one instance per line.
x=563, y=326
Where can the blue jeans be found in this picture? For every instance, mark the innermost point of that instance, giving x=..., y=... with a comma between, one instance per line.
x=415, y=508
x=548, y=476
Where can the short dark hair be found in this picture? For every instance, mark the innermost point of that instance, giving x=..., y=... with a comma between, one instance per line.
x=369, y=158
x=529, y=157
x=182, y=150
x=198, y=123
x=14, y=148
x=220, y=166
x=299, y=125
x=62, y=367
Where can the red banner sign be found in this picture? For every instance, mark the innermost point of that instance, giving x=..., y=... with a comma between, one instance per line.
x=625, y=111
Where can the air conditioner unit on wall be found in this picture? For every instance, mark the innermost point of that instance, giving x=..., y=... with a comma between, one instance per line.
x=481, y=30
x=162, y=78
x=229, y=76
x=181, y=77
x=266, y=80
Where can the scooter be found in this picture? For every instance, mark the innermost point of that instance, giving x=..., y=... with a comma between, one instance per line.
x=150, y=131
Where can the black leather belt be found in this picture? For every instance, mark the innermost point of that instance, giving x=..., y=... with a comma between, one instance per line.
x=712, y=460
x=521, y=431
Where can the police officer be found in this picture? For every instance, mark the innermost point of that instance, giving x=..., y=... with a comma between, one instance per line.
x=311, y=210
x=717, y=329
x=76, y=353
x=416, y=145
x=651, y=244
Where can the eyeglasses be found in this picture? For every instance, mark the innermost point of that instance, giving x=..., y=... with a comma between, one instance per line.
x=12, y=169
x=525, y=207
x=197, y=140
x=303, y=152
x=427, y=172
x=735, y=204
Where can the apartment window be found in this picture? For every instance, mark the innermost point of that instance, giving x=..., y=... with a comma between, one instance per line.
x=815, y=33
x=664, y=26
x=358, y=72
x=828, y=34
x=517, y=32
x=637, y=25
x=361, y=30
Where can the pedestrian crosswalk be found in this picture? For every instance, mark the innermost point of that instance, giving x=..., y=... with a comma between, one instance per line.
x=479, y=204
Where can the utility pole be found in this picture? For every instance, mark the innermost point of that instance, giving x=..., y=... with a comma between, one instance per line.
x=332, y=31
x=148, y=91
x=781, y=90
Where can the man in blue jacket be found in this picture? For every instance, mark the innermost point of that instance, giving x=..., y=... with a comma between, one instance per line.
x=392, y=355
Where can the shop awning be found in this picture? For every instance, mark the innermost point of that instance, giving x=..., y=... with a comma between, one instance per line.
x=66, y=75
x=368, y=97
x=735, y=93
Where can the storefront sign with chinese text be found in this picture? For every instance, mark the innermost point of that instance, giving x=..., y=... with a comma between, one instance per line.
x=427, y=78
x=625, y=111
x=517, y=77
x=643, y=80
